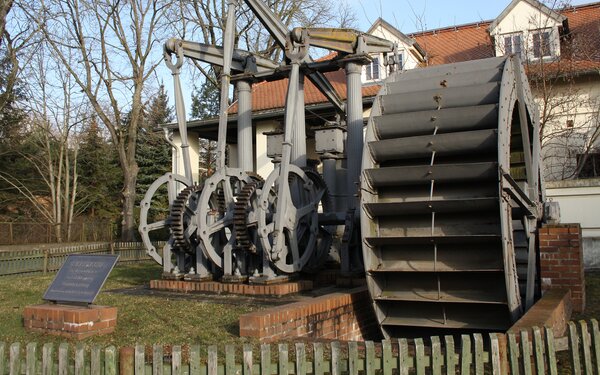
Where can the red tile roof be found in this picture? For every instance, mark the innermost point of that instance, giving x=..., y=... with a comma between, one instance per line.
x=271, y=95
x=580, y=50
x=456, y=44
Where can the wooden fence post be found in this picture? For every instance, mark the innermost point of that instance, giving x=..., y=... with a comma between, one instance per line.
x=229, y=359
x=15, y=359
x=436, y=356
x=110, y=360
x=265, y=359
x=79, y=359
x=63, y=359
x=126, y=360
x=95, y=360
x=157, y=360
x=283, y=360
x=318, y=368
x=46, y=260
x=335, y=358
x=140, y=360
x=11, y=239
x=574, y=349
x=386, y=351
x=300, y=359
x=247, y=360
x=47, y=360
x=213, y=362
x=550, y=352
x=2, y=358
x=465, y=354
x=194, y=359
x=403, y=360
x=450, y=355
x=176, y=360
x=31, y=359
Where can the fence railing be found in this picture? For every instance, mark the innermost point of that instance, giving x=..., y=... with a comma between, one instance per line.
x=474, y=354
x=16, y=233
x=51, y=259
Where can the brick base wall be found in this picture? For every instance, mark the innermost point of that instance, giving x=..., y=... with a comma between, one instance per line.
x=70, y=321
x=561, y=261
x=552, y=310
x=234, y=288
x=345, y=316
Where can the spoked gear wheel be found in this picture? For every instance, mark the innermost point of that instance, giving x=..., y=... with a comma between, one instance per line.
x=215, y=215
x=172, y=182
x=300, y=221
x=182, y=218
x=325, y=235
x=245, y=220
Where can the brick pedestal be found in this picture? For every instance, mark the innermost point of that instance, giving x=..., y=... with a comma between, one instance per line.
x=552, y=310
x=243, y=289
x=561, y=261
x=345, y=316
x=70, y=321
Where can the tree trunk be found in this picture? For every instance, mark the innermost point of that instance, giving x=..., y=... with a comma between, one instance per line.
x=5, y=6
x=128, y=225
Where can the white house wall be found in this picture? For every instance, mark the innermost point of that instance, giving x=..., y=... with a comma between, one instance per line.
x=579, y=202
x=409, y=60
x=578, y=103
x=177, y=159
x=264, y=167
x=522, y=18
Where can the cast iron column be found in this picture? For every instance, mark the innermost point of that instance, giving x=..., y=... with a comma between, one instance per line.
x=299, y=129
x=244, y=130
x=354, y=121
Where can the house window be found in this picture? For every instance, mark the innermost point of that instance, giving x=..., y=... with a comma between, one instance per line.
x=541, y=43
x=512, y=44
x=373, y=70
x=591, y=165
x=400, y=61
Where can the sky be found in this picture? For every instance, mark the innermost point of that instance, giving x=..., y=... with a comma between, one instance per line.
x=410, y=16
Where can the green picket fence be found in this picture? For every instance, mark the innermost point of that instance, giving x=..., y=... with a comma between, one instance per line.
x=51, y=259
x=470, y=354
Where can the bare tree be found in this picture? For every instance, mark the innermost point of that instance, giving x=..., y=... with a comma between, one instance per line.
x=114, y=43
x=55, y=114
x=5, y=6
x=568, y=102
x=17, y=43
x=204, y=21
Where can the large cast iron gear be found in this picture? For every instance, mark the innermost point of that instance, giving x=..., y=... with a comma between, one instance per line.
x=173, y=182
x=450, y=198
x=325, y=235
x=245, y=220
x=215, y=214
x=182, y=218
x=300, y=228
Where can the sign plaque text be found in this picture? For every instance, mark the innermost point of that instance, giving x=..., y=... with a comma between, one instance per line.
x=80, y=278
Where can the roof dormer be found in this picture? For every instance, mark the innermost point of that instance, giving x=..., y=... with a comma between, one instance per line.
x=527, y=28
x=411, y=53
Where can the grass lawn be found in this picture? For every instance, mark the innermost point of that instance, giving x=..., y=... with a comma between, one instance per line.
x=158, y=319
x=141, y=318
x=592, y=297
